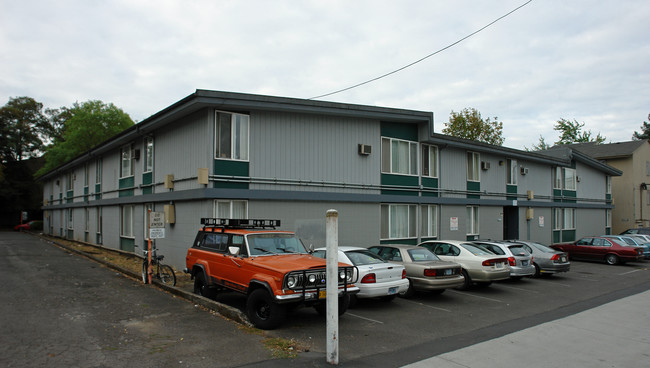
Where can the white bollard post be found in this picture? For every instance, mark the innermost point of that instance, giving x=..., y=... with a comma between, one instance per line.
x=332, y=287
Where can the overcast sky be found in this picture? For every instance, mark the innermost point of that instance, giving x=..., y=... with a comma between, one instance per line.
x=551, y=59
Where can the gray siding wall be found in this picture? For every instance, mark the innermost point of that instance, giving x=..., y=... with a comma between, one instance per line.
x=313, y=148
x=453, y=171
x=590, y=222
x=592, y=182
x=539, y=228
x=539, y=179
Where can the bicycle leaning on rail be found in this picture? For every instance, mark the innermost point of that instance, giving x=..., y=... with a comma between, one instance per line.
x=160, y=271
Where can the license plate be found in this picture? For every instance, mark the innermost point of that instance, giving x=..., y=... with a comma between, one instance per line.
x=563, y=259
x=448, y=272
x=524, y=263
x=392, y=290
x=322, y=294
x=498, y=265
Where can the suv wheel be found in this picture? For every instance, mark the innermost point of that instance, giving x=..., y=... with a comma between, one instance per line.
x=263, y=312
x=202, y=288
x=344, y=303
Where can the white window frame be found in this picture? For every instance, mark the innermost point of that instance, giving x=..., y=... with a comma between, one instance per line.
x=570, y=179
x=557, y=218
x=99, y=225
x=512, y=172
x=473, y=220
x=148, y=155
x=430, y=161
x=98, y=171
x=392, y=160
x=126, y=221
x=429, y=216
x=608, y=218
x=69, y=181
x=608, y=184
x=126, y=161
x=391, y=229
x=86, y=219
x=239, y=136
x=557, y=177
x=86, y=175
x=473, y=166
x=569, y=219
x=69, y=221
x=230, y=209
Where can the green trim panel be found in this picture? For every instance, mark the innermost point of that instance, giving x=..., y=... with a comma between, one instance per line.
x=127, y=244
x=98, y=191
x=68, y=195
x=568, y=235
x=125, y=183
x=231, y=168
x=556, y=236
x=430, y=183
x=400, y=180
x=407, y=132
x=474, y=186
x=511, y=189
x=147, y=179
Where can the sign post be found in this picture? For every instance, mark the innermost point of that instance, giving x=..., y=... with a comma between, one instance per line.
x=332, y=287
x=156, y=225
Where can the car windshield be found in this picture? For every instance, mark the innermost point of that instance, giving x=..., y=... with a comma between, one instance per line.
x=422, y=255
x=543, y=248
x=475, y=250
x=363, y=257
x=274, y=243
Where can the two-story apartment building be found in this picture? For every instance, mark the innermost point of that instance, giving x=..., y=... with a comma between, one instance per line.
x=392, y=179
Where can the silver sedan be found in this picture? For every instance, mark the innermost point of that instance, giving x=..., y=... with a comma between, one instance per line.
x=546, y=260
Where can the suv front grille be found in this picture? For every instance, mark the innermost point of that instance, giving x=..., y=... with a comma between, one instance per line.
x=315, y=279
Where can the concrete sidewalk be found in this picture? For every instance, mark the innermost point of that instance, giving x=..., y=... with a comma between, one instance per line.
x=616, y=334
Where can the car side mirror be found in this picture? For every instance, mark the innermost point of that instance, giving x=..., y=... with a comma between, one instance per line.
x=311, y=248
x=234, y=250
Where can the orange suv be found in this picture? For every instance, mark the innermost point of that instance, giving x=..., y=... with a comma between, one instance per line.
x=271, y=267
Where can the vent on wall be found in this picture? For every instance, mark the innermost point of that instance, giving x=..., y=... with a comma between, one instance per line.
x=365, y=149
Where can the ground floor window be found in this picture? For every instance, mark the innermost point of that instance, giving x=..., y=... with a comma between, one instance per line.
x=99, y=225
x=569, y=219
x=398, y=221
x=230, y=209
x=472, y=220
x=126, y=221
x=557, y=219
x=429, y=221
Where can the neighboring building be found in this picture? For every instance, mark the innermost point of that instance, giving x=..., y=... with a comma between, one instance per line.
x=220, y=154
x=630, y=189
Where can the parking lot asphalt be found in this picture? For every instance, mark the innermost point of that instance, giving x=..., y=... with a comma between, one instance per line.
x=568, y=317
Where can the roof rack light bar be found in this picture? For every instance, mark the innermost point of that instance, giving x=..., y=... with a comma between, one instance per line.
x=252, y=223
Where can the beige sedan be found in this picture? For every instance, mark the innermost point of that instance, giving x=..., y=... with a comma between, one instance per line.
x=480, y=266
x=425, y=271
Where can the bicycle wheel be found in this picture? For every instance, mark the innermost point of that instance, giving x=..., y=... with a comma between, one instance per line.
x=167, y=275
x=145, y=279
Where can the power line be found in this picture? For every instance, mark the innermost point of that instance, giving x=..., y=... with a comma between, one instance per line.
x=426, y=57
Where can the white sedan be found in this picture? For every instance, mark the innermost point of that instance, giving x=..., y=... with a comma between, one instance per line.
x=377, y=278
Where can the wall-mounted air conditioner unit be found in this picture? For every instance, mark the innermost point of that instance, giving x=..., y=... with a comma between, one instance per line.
x=524, y=170
x=365, y=149
x=485, y=165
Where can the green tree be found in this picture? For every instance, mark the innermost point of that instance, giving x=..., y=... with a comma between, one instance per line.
x=24, y=129
x=645, y=131
x=540, y=146
x=469, y=124
x=571, y=132
x=84, y=126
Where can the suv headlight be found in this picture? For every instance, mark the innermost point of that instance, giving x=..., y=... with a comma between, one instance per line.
x=291, y=281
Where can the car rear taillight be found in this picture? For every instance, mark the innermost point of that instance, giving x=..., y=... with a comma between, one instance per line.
x=512, y=261
x=430, y=273
x=369, y=279
x=555, y=257
x=404, y=273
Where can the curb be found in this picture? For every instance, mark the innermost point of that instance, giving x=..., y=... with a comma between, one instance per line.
x=219, y=308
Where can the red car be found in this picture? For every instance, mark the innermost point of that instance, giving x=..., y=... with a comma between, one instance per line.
x=32, y=225
x=597, y=248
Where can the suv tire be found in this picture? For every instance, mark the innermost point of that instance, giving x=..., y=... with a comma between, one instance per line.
x=202, y=288
x=263, y=311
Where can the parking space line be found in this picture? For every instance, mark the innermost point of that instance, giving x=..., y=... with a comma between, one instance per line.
x=477, y=296
x=516, y=288
x=367, y=319
x=628, y=272
x=428, y=306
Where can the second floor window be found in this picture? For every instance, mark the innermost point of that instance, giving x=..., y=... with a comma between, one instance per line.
x=98, y=171
x=399, y=156
x=512, y=172
x=126, y=168
x=148, y=152
x=473, y=163
x=231, y=136
x=429, y=161
x=570, y=179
